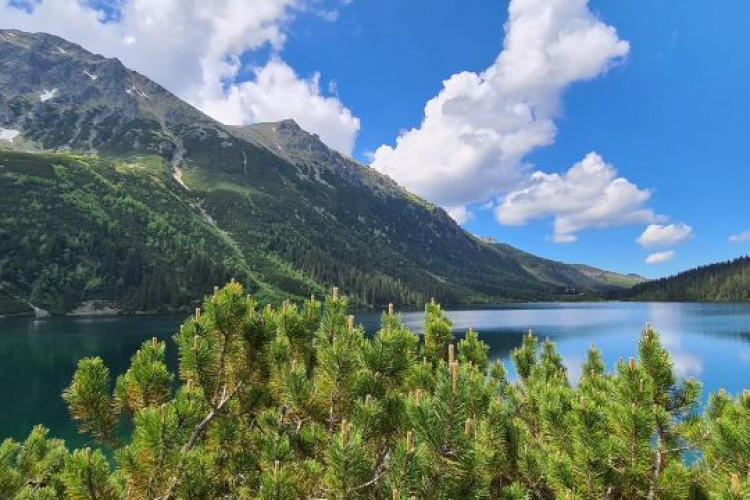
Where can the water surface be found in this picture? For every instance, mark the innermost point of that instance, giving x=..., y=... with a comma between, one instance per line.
x=707, y=341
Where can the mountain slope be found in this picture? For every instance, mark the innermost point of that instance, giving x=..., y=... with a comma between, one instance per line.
x=616, y=280
x=574, y=276
x=727, y=281
x=79, y=229
x=270, y=202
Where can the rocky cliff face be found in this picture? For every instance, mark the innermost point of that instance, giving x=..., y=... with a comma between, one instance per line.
x=60, y=96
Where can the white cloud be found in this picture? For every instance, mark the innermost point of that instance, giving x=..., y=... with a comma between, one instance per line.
x=564, y=238
x=460, y=214
x=191, y=47
x=660, y=257
x=477, y=130
x=277, y=93
x=589, y=194
x=740, y=238
x=657, y=235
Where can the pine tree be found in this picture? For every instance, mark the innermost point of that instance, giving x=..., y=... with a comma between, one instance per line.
x=296, y=402
x=438, y=332
x=34, y=468
x=589, y=454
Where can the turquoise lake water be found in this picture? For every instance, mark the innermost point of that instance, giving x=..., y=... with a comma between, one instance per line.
x=707, y=341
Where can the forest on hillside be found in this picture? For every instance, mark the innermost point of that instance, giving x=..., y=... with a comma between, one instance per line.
x=124, y=234
x=726, y=281
x=76, y=228
x=297, y=402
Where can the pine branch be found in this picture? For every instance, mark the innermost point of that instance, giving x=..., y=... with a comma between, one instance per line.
x=198, y=431
x=222, y=357
x=656, y=470
x=89, y=481
x=162, y=453
x=380, y=471
x=201, y=427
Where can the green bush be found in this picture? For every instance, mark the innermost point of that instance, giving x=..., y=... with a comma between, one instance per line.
x=296, y=402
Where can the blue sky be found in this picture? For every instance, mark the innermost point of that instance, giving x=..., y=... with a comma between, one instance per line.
x=666, y=108
x=673, y=117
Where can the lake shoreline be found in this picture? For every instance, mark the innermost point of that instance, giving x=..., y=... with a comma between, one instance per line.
x=117, y=313
x=707, y=340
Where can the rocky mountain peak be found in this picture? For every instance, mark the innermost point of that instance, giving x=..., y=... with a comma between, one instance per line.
x=57, y=95
x=287, y=125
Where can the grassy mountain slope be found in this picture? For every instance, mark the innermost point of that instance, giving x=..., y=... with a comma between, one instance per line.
x=728, y=281
x=578, y=276
x=616, y=280
x=269, y=202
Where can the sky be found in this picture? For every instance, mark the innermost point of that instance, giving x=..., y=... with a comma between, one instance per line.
x=604, y=132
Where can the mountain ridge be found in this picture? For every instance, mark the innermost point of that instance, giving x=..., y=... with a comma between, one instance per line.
x=293, y=216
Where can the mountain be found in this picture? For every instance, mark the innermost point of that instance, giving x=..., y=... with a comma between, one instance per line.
x=576, y=277
x=617, y=280
x=114, y=193
x=726, y=281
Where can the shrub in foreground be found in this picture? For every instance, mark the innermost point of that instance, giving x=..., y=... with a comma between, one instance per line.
x=297, y=402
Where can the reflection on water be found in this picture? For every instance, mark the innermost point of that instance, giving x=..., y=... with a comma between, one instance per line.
x=708, y=341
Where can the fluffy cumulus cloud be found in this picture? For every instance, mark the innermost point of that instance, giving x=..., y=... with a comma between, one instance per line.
x=476, y=132
x=658, y=235
x=590, y=194
x=460, y=214
x=193, y=48
x=277, y=93
x=740, y=238
x=660, y=257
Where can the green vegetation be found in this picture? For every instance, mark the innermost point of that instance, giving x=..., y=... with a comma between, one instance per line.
x=727, y=281
x=122, y=233
x=609, y=277
x=74, y=229
x=296, y=402
x=591, y=281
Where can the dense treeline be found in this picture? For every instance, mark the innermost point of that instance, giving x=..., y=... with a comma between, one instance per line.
x=74, y=229
x=334, y=238
x=728, y=281
x=297, y=402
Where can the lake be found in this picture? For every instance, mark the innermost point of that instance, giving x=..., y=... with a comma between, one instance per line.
x=707, y=341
